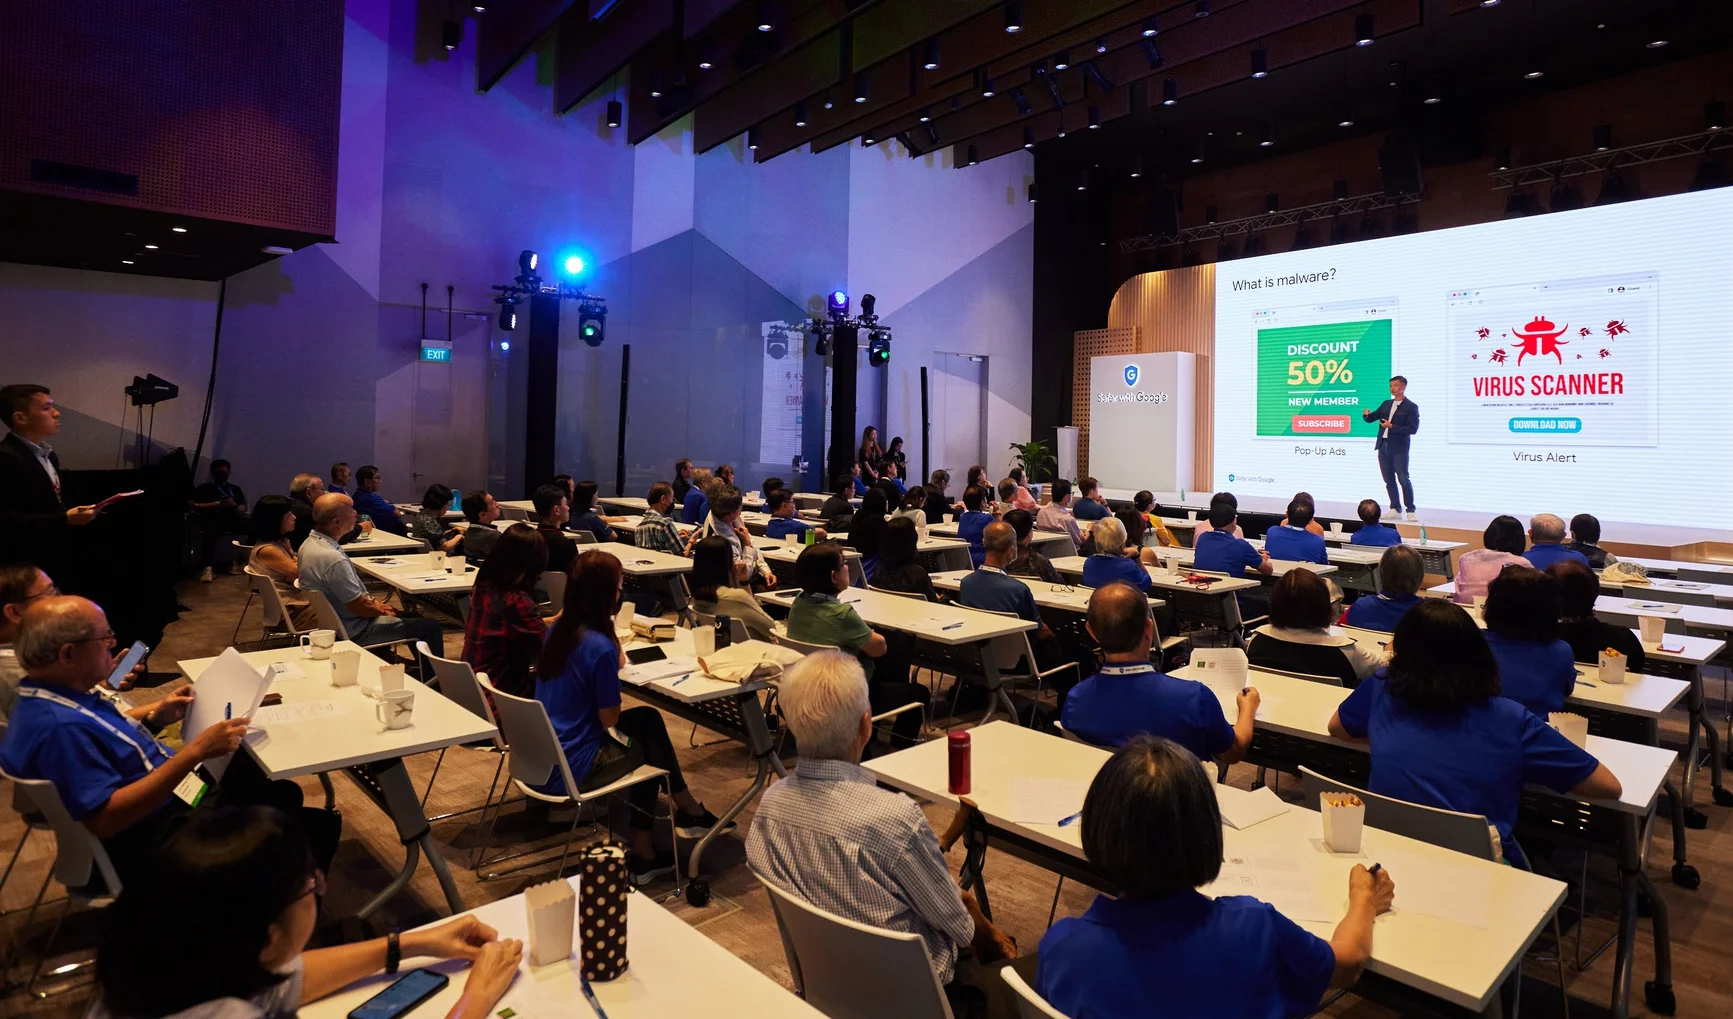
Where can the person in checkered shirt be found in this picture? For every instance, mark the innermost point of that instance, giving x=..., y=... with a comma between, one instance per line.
x=658, y=530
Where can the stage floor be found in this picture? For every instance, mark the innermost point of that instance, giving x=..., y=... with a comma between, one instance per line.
x=1656, y=537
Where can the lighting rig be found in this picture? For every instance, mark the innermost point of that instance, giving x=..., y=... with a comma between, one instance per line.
x=592, y=309
x=837, y=317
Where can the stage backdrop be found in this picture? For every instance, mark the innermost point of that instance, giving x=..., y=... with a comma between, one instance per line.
x=1141, y=410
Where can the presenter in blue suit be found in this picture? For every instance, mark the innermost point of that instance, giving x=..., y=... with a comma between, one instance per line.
x=1398, y=419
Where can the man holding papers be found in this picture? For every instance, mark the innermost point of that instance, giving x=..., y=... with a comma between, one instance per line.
x=108, y=768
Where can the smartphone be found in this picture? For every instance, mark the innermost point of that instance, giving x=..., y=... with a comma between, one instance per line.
x=404, y=994
x=133, y=656
x=641, y=655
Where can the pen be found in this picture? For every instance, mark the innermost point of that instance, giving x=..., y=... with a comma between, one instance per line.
x=1066, y=822
x=584, y=982
x=952, y=626
x=228, y=712
x=1376, y=867
x=682, y=679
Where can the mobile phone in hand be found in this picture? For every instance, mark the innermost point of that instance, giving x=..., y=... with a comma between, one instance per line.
x=133, y=656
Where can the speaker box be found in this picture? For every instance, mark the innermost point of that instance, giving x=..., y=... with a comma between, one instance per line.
x=120, y=121
x=1161, y=213
x=1399, y=167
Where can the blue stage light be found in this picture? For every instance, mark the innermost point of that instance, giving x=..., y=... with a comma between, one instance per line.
x=574, y=265
x=505, y=346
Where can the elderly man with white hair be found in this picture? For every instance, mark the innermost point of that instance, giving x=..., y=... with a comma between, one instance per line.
x=1111, y=563
x=1547, y=533
x=829, y=835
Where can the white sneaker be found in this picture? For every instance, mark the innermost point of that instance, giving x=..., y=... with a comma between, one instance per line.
x=1392, y=513
x=207, y=576
x=1410, y=517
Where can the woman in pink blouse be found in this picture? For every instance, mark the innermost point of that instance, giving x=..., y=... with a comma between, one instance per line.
x=1505, y=543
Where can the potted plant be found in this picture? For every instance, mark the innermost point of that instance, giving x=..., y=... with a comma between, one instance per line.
x=1036, y=459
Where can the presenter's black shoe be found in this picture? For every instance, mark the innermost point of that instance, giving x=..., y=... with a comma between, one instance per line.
x=645, y=871
x=696, y=826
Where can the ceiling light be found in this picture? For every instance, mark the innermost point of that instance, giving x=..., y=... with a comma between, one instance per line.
x=752, y=138
x=126, y=261
x=1014, y=16
x=1533, y=68
x=1266, y=136
x=1339, y=190
x=867, y=139
x=860, y=87
x=655, y=84
x=829, y=103
x=1062, y=61
x=1101, y=45
x=1028, y=137
x=1022, y=101
x=987, y=89
x=1153, y=52
x=1150, y=28
x=766, y=17
x=179, y=229
x=1489, y=3
x=926, y=115
x=1197, y=153
x=1715, y=115
x=1272, y=202
x=930, y=54
x=1201, y=10
x=1210, y=214
x=705, y=63
x=478, y=7
x=1061, y=130
x=615, y=112
x=1031, y=192
x=1345, y=118
x=1169, y=92
x=451, y=35
x=974, y=154
x=1083, y=179
x=1363, y=30
x=1655, y=44
x=150, y=247
x=1094, y=118
x=800, y=114
x=1137, y=165
x=1260, y=63
x=1603, y=137
x=1501, y=158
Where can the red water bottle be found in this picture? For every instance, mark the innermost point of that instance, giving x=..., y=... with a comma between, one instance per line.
x=958, y=742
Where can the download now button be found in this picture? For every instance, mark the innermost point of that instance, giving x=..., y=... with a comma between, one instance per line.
x=1321, y=424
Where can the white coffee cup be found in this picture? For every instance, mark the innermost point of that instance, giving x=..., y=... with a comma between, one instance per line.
x=456, y=564
x=317, y=643
x=345, y=668
x=1191, y=514
x=1343, y=826
x=1612, y=669
x=1335, y=527
x=623, y=618
x=704, y=641
x=436, y=559
x=390, y=679
x=395, y=708
x=1651, y=628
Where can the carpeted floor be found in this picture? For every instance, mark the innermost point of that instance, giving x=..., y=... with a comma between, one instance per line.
x=738, y=917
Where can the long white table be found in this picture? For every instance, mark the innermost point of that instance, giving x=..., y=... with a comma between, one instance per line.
x=1452, y=961
x=674, y=970
x=649, y=567
x=1299, y=712
x=382, y=542
x=414, y=575
x=1184, y=557
x=628, y=503
x=1718, y=573
x=349, y=737
x=1059, y=597
x=952, y=553
x=1434, y=553
x=1052, y=544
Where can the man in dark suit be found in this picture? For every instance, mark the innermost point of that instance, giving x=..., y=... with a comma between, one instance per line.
x=1398, y=419
x=33, y=520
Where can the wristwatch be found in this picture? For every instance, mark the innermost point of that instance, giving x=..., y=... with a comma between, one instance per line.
x=393, y=953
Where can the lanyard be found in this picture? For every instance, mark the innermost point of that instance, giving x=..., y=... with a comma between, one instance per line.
x=1125, y=670
x=54, y=698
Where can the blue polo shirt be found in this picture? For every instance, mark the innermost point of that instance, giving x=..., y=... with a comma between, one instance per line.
x=1121, y=701
x=860, y=487
x=784, y=527
x=1221, y=552
x=1538, y=675
x=1546, y=554
x=1474, y=760
x=1295, y=544
x=969, y=528
x=86, y=760
x=574, y=699
x=694, y=508
x=1101, y=570
x=1186, y=955
x=1380, y=611
x=1377, y=536
x=993, y=589
x=383, y=514
x=1089, y=509
x=592, y=521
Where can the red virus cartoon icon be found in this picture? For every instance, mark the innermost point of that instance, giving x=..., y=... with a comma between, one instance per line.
x=1606, y=353
x=1540, y=338
x=1483, y=332
x=1615, y=327
x=1497, y=356
x=1584, y=331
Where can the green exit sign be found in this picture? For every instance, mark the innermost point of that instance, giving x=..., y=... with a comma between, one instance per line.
x=435, y=351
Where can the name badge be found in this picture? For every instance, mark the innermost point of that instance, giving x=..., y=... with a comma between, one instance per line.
x=192, y=789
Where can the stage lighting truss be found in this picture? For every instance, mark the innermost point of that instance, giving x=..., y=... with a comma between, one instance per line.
x=592, y=308
x=1356, y=206
x=823, y=328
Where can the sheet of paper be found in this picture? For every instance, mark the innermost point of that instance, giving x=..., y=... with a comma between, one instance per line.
x=1436, y=886
x=1240, y=809
x=1279, y=881
x=1225, y=666
x=229, y=688
x=1046, y=800
x=303, y=711
x=650, y=672
x=1654, y=606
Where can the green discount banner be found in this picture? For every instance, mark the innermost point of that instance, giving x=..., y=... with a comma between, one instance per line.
x=1316, y=379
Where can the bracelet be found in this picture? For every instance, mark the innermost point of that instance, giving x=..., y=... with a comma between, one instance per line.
x=393, y=953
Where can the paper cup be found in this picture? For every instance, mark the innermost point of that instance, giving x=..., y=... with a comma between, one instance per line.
x=623, y=618
x=1574, y=727
x=1335, y=527
x=455, y=564
x=396, y=708
x=1651, y=628
x=317, y=643
x=1343, y=826
x=1612, y=669
x=390, y=679
x=345, y=668
x=552, y=914
x=437, y=559
x=704, y=641
x=1191, y=514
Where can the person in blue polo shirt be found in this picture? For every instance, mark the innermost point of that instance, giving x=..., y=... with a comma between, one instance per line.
x=1535, y=667
x=1547, y=532
x=1373, y=531
x=1399, y=575
x=783, y=523
x=371, y=504
x=990, y=587
x=974, y=521
x=1128, y=696
x=1110, y=564
x=1152, y=828
x=696, y=506
x=1090, y=505
x=1442, y=736
x=1292, y=541
x=1218, y=551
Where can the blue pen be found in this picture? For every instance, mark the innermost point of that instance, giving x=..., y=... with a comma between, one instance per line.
x=589, y=993
x=1066, y=822
x=682, y=679
x=1376, y=867
x=228, y=712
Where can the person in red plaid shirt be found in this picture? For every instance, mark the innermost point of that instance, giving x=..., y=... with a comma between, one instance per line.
x=505, y=629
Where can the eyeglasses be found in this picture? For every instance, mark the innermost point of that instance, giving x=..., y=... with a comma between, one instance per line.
x=315, y=886
x=106, y=638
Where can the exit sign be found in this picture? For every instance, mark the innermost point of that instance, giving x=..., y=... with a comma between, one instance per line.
x=433, y=350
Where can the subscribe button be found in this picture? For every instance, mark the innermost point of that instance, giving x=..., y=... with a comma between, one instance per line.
x=1321, y=424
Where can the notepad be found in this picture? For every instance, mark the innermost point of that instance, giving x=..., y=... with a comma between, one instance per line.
x=1279, y=881
x=228, y=688
x=1220, y=666
x=304, y=711
x=1653, y=606
x=1436, y=886
x=1241, y=809
x=650, y=672
x=1046, y=800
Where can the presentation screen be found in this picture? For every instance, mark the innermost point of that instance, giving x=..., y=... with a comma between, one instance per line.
x=1571, y=362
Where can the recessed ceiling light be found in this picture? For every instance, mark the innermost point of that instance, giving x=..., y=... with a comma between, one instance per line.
x=179, y=229
x=1655, y=44
x=150, y=247
x=126, y=261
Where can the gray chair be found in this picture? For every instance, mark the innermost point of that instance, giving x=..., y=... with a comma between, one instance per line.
x=514, y=513
x=457, y=680
x=848, y=970
x=330, y=620
x=1029, y=1004
x=1469, y=834
x=555, y=583
x=1008, y=652
x=882, y=721
x=277, y=620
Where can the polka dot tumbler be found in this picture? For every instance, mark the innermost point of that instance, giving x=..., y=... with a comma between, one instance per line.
x=602, y=911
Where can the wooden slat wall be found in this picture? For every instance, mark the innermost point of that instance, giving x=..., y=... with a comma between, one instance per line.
x=1170, y=310
x=1090, y=343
